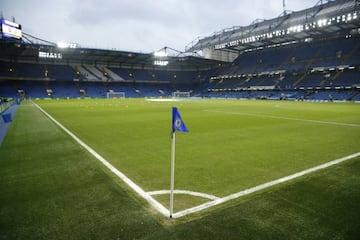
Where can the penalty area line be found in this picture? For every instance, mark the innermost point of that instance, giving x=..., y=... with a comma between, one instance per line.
x=158, y=206
x=263, y=186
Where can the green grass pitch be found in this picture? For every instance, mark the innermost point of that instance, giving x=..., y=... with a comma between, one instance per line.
x=232, y=145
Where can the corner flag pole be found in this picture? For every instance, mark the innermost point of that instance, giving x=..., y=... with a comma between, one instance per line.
x=177, y=125
x=172, y=178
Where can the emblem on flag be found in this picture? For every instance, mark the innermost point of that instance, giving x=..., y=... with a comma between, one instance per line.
x=177, y=122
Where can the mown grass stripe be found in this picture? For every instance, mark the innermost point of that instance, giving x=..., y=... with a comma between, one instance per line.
x=159, y=207
x=286, y=118
x=263, y=186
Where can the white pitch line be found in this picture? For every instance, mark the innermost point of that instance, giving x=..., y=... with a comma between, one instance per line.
x=286, y=118
x=197, y=194
x=263, y=186
x=158, y=206
x=122, y=176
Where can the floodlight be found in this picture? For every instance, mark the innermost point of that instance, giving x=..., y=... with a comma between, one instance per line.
x=349, y=17
x=161, y=63
x=161, y=53
x=66, y=45
x=321, y=22
x=62, y=45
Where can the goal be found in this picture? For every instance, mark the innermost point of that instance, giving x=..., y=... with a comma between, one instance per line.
x=179, y=94
x=112, y=94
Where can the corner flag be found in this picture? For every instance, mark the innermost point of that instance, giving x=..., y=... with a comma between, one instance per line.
x=177, y=123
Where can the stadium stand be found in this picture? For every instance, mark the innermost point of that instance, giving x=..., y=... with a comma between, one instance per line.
x=313, y=54
x=321, y=64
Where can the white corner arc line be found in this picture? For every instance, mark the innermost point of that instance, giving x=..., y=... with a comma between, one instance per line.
x=197, y=194
x=263, y=186
x=158, y=206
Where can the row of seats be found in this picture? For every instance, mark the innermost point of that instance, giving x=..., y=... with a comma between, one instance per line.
x=53, y=89
x=33, y=71
x=335, y=78
x=67, y=89
x=299, y=95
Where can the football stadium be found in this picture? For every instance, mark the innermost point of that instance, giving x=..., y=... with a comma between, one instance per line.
x=252, y=132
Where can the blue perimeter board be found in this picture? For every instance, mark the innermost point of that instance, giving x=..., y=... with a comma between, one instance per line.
x=5, y=126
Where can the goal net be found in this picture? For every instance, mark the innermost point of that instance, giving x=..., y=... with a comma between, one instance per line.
x=179, y=94
x=112, y=94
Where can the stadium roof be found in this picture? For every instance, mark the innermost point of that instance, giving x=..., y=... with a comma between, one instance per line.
x=49, y=53
x=330, y=18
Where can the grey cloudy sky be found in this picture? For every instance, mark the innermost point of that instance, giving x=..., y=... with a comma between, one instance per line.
x=138, y=25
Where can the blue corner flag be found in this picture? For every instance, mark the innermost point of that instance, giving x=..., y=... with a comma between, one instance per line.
x=177, y=123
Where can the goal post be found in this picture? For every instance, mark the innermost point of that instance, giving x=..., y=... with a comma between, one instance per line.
x=179, y=94
x=112, y=94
